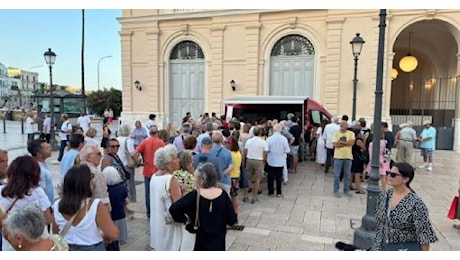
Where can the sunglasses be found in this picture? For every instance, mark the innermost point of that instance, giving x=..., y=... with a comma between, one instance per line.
x=92, y=175
x=115, y=146
x=393, y=174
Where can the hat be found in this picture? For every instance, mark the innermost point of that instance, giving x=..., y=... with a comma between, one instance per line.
x=427, y=122
x=206, y=141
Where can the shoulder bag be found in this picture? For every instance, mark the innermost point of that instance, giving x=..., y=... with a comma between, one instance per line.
x=131, y=162
x=190, y=226
x=167, y=202
x=5, y=215
x=403, y=246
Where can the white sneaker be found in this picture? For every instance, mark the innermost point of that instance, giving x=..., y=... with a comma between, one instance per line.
x=423, y=166
x=429, y=168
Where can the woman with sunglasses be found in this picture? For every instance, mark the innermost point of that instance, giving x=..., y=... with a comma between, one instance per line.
x=402, y=216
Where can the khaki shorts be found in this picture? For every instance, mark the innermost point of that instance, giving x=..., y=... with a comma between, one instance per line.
x=255, y=169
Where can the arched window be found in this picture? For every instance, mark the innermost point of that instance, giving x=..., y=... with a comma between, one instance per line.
x=186, y=50
x=293, y=45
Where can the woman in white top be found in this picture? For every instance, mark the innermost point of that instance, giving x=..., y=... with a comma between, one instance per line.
x=90, y=136
x=22, y=189
x=164, y=236
x=321, y=144
x=92, y=225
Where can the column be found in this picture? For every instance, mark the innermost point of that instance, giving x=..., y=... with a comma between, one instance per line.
x=253, y=85
x=215, y=91
x=332, y=88
x=457, y=108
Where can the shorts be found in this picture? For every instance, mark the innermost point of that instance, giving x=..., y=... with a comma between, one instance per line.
x=427, y=152
x=294, y=149
x=255, y=169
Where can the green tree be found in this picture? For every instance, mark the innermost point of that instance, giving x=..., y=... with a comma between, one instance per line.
x=99, y=100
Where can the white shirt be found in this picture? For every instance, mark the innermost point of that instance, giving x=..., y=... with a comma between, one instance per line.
x=255, y=147
x=84, y=122
x=31, y=126
x=65, y=127
x=122, y=140
x=47, y=125
x=329, y=131
x=278, y=147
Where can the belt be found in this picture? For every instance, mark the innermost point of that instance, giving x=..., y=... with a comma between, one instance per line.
x=254, y=159
x=406, y=140
x=74, y=246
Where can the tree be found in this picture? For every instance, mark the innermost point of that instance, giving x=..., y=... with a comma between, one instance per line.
x=99, y=100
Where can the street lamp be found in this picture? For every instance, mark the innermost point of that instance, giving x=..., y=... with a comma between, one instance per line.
x=50, y=57
x=98, y=69
x=356, y=46
x=364, y=235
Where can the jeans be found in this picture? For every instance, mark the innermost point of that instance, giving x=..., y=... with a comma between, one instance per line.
x=339, y=166
x=274, y=174
x=147, y=195
x=61, y=149
x=329, y=159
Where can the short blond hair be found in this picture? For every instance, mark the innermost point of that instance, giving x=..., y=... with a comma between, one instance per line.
x=92, y=132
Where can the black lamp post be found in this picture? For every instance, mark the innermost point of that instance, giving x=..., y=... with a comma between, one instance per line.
x=50, y=57
x=364, y=235
x=356, y=46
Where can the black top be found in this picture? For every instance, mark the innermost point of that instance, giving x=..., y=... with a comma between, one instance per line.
x=390, y=137
x=214, y=216
x=296, y=132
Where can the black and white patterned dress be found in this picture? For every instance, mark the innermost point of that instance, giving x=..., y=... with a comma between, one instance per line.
x=409, y=221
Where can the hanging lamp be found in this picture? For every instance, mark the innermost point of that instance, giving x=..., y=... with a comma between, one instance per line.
x=409, y=63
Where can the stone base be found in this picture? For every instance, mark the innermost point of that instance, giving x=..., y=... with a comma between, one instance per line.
x=131, y=117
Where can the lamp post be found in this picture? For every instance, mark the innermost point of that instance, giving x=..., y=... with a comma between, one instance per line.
x=364, y=235
x=50, y=57
x=356, y=46
x=98, y=63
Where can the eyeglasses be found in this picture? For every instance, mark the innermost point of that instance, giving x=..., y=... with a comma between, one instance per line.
x=99, y=153
x=393, y=174
x=115, y=146
x=92, y=175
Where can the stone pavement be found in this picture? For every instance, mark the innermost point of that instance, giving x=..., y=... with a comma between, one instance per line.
x=308, y=217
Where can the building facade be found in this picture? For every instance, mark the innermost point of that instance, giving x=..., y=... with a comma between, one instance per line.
x=184, y=60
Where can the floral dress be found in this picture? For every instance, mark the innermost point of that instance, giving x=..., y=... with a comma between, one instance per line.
x=184, y=177
x=409, y=221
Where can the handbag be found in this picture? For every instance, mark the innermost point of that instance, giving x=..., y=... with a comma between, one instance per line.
x=452, y=214
x=131, y=162
x=402, y=246
x=193, y=227
x=5, y=215
x=59, y=238
x=167, y=202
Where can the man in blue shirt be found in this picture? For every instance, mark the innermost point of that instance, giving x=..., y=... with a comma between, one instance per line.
x=225, y=159
x=41, y=150
x=427, y=145
x=204, y=156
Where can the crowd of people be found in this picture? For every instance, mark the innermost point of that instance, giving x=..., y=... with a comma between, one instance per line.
x=193, y=177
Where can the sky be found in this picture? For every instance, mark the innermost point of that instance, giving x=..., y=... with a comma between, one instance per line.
x=27, y=34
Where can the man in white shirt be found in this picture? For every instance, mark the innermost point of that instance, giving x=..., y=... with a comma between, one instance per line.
x=278, y=148
x=329, y=131
x=47, y=128
x=255, y=154
x=64, y=134
x=151, y=122
x=84, y=121
x=31, y=127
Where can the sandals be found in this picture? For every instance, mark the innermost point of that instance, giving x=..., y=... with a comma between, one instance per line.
x=360, y=192
x=245, y=199
x=456, y=226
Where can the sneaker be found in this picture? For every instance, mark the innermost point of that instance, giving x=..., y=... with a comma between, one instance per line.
x=285, y=182
x=337, y=195
x=429, y=168
x=423, y=166
x=348, y=194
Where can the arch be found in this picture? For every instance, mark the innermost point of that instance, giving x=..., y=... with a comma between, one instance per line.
x=285, y=30
x=192, y=61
